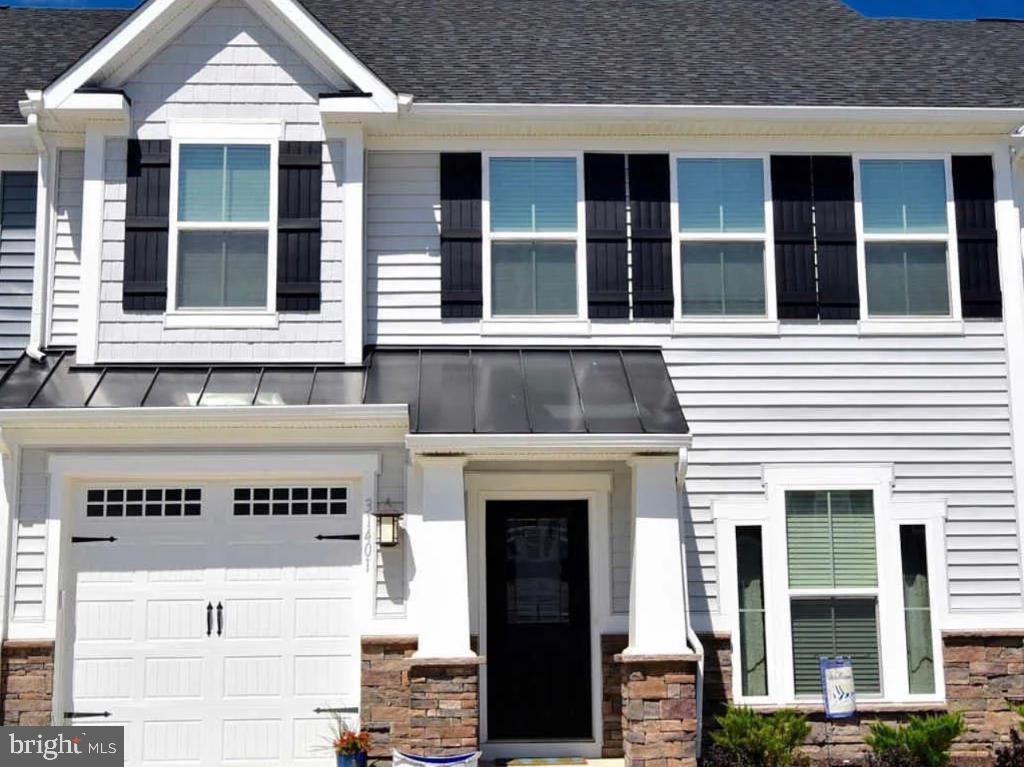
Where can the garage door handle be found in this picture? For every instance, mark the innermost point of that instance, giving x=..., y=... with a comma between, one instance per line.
x=220, y=618
x=209, y=618
x=345, y=710
x=349, y=537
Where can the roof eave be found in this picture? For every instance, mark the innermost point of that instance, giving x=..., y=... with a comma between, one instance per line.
x=1010, y=116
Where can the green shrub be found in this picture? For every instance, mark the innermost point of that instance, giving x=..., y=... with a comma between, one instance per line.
x=756, y=740
x=926, y=740
x=1012, y=754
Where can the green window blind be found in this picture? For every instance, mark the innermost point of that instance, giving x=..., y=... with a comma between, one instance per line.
x=831, y=539
x=223, y=182
x=750, y=565
x=917, y=609
x=533, y=194
x=831, y=627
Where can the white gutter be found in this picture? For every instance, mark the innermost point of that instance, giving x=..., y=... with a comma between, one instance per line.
x=1002, y=115
x=552, y=445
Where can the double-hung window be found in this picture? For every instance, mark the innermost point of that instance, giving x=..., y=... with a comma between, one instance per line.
x=534, y=235
x=833, y=582
x=223, y=227
x=905, y=213
x=721, y=203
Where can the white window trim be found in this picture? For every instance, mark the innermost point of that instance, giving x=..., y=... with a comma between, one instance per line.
x=202, y=132
x=951, y=323
x=571, y=322
x=770, y=514
x=728, y=323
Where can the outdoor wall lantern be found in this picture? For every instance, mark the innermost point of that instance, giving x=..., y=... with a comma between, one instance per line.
x=388, y=525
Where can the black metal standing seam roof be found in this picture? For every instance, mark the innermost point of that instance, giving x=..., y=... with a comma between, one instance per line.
x=448, y=391
x=712, y=52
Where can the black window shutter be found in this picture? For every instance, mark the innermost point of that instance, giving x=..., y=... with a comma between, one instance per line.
x=651, y=229
x=836, y=235
x=299, y=171
x=604, y=179
x=792, y=205
x=144, y=287
x=461, y=235
x=974, y=196
x=815, y=237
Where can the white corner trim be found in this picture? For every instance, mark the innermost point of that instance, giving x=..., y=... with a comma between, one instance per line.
x=548, y=445
x=91, y=245
x=353, y=199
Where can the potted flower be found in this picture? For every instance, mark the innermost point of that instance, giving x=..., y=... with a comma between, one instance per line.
x=350, y=747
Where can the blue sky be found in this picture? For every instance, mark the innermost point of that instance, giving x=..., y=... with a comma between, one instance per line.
x=931, y=9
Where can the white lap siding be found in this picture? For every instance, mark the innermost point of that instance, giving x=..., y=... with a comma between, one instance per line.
x=226, y=65
x=936, y=408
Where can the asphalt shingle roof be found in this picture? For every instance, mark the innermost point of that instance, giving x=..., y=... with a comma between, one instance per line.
x=751, y=52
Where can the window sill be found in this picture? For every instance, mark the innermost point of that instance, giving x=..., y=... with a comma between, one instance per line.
x=519, y=326
x=863, y=707
x=911, y=326
x=226, y=320
x=725, y=326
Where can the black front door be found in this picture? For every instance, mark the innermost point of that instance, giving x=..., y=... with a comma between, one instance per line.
x=538, y=621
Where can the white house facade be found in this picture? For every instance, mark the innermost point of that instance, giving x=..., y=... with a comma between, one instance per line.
x=533, y=377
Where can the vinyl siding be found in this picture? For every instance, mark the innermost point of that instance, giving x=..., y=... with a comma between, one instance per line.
x=227, y=64
x=17, y=258
x=30, y=538
x=67, y=248
x=936, y=408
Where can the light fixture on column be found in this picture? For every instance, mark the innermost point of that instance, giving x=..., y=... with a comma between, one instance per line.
x=388, y=525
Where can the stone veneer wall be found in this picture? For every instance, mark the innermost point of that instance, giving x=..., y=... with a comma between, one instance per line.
x=659, y=710
x=431, y=707
x=983, y=672
x=26, y=682
x=611, y=695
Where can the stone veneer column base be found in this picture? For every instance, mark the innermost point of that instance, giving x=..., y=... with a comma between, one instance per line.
x=428, y=706
x=26, y=682
x=659, y=710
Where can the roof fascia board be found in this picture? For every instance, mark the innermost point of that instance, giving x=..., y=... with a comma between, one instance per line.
x=164, y=19
x=386, y=416
x=546, y=445
x=154, y=14
x=570, y=112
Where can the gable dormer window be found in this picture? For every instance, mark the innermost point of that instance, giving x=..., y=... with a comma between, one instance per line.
x=532, y=236
x=223, y=239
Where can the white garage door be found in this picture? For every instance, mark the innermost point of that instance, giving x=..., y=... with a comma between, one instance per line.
x=218, y=620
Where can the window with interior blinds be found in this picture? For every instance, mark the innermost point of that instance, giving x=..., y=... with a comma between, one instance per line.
x=831, y=539
x=831, y=627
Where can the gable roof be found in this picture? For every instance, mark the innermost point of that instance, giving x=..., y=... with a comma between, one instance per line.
x=713, y=52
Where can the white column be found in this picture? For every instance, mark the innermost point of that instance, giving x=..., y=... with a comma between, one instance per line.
x=439, y=594
x=92, y=242
x=657, y=606
x=355, y=239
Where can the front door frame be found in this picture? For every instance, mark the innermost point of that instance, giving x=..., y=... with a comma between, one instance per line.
x=595, y=489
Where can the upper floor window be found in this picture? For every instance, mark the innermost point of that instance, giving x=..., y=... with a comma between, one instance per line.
x=722, y=233
x=222, y=232
x=906, y=237
x=533, y=231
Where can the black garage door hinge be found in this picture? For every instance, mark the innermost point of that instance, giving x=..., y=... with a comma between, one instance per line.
x=86, y=714
x=350, y=537
x=90, y=539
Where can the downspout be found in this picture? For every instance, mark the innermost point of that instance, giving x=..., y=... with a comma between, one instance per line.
x=41, y=256
x=691, y=636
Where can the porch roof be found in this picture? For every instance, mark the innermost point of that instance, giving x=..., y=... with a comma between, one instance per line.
x=448, y=390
